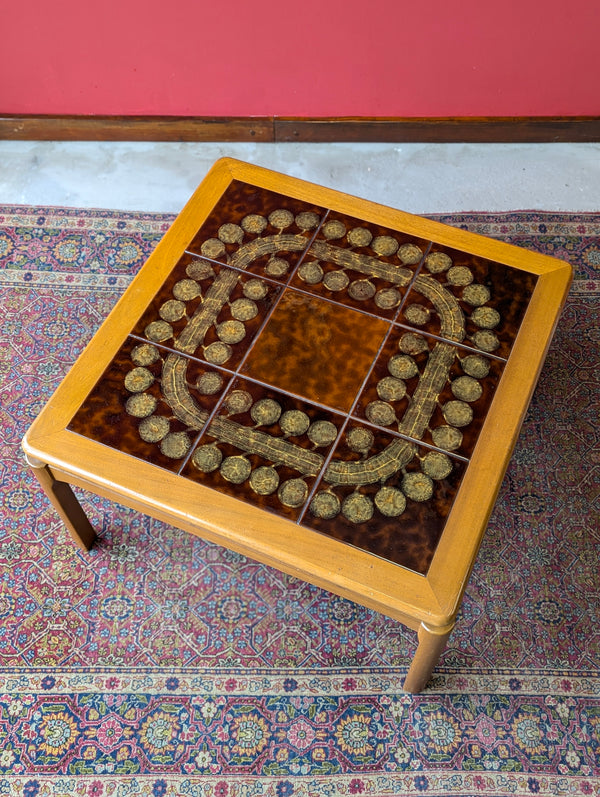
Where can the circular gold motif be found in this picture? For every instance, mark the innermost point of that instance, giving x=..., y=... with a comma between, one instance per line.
x=158, y=331
x=280, y=219
x=244, y=309
x=175, y=445
x=466, y=388
x=264, y=480
x=230, y=234
x=238, y=401
x=380, y=413
x=475, y=365
x=410, y=254
x=385, y=245
x=460, y=275
x=231, y=331
x=411, y=343
x=293, y=493
x=322, y=433
x=235, y=469
x=325, y=505
x=486, y=340
x=360, y=236
x=307, y=220
x=212, y=248
x=417, y=486
x=436, y=465
x=207, y=458
x=255, y=289
x=457, y=413
x=357, y=508
x=333, y=230
x=254, y=224
x=145, y=354
x=387, y=298
x=361, y=290
x=294, y=422
x=311, y=272
x=402, y=366
x=186, y=290
x=265, y=412
x=277, y=267
x=199, y=270
x=336, y=280
x=172, y=310
x=390, y=501
x=417, y=314
x=209, y=383
x=447, y=437
x=476, y=295
x=485, y=317
x=391, y=389
x=138, y=380
x=437, y=262
x=140, y=405
x=217, y=353
x=360, y=439
x=153, y=429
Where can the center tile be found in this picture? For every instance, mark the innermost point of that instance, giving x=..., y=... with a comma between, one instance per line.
x=316, y=349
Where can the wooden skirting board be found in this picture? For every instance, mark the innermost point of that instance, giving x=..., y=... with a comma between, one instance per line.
x=519, y=129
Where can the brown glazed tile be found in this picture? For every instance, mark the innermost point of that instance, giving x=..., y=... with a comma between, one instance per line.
x=468, y=299
x=265, y=448
x=317, y=349
x=150, y=403
x=360, y=264
x=207, y=311
x=386, y=495
x=430, y=390
x=257, y=230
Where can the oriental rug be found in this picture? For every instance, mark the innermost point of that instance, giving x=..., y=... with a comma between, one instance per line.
x=163, y=665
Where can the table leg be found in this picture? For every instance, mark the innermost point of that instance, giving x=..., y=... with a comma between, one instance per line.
x=64, y=500
x=432, y=642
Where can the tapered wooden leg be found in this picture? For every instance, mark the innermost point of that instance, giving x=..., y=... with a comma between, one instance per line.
x=64, y=500
x=432, y=642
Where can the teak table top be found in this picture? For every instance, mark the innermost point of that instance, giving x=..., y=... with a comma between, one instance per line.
x=319, y=382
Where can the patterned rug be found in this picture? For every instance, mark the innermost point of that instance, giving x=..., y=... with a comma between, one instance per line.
x=160, y=664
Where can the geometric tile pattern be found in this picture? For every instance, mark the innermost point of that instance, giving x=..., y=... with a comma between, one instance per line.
x=319, y=366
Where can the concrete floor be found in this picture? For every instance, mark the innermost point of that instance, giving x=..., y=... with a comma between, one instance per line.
x=419, y=178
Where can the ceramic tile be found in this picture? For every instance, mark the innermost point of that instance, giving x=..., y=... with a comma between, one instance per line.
x=208, y=311
x=151, y=403
x=265, y=447
x=430, y=390
x=386, y=495
x=258, y=230
x=360, y=264
x=318, y=349
x=470, y=300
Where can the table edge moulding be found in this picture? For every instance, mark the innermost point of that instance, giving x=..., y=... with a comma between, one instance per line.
x=427, y=602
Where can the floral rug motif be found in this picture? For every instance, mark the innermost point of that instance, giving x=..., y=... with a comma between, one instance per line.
x=160, y=664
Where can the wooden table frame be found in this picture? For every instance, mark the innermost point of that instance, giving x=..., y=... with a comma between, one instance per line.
x=427, y=604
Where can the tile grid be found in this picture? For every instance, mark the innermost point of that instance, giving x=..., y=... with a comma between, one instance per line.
x=369, y=369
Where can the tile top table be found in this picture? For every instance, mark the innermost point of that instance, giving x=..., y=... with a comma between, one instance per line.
x=327, y=385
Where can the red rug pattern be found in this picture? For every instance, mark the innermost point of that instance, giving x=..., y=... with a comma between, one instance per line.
x=160, y=664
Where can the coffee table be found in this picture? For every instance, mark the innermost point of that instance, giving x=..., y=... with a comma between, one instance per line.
x=323, y=384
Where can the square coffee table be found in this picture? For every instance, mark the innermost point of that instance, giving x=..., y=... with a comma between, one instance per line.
x=323, y=384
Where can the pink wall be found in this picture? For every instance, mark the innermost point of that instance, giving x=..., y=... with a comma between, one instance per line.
x=303, y=58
